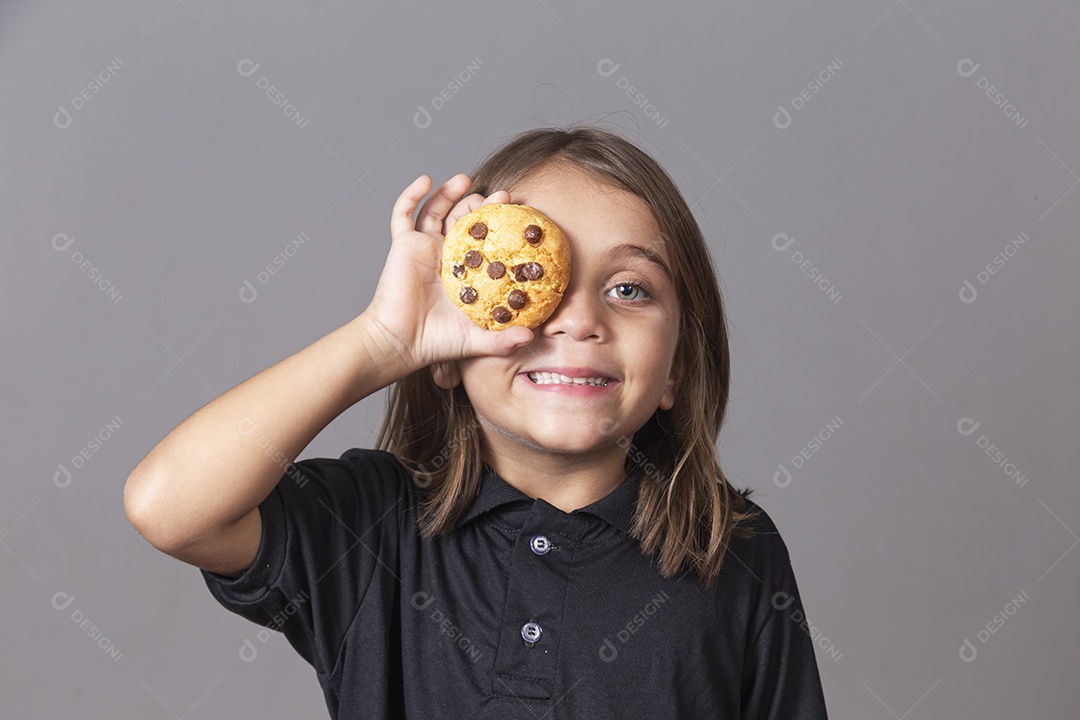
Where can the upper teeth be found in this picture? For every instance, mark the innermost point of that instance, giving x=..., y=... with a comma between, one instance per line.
x=547, y=378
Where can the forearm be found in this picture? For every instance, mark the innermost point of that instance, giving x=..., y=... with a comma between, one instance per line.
x=224, y=459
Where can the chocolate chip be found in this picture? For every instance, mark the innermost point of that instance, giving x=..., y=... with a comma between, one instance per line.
x=468, y=295
x=501, y=314
x=459, y=270
x=473, y=258
x=528, y=271
x=496, y=270
x=478, y=230
x=533, y=233
x=516, y=299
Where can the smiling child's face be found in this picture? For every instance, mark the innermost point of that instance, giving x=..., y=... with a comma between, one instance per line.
x=618, y=320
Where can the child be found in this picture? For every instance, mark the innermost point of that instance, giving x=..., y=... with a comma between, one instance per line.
x=519, y=545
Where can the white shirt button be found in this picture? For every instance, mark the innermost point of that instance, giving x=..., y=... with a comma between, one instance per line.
x=540, y=544
x=531, y=632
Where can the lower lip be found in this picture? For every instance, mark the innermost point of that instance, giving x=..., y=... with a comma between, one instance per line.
x=572, y=390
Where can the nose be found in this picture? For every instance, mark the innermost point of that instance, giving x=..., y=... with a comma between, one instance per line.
x=580, y=315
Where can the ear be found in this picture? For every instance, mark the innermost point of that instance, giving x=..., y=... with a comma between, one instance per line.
x=447, y=375
x=667, y=400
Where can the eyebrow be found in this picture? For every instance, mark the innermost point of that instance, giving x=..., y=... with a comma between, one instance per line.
x=628, y=250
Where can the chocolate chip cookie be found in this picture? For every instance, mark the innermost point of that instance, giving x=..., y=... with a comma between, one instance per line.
x=505, y=265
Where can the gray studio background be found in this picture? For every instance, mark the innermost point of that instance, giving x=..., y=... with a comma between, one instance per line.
x=897, y=249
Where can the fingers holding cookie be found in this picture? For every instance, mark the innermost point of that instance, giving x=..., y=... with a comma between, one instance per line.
x=472, y=203
x=410, y=308
x=430, y=219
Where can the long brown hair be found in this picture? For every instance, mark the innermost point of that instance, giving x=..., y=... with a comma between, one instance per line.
x=687, y=513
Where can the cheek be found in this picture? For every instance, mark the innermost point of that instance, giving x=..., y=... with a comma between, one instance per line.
x=484, y=378
x=477, y=365
x=673, y=344
x=658, y=352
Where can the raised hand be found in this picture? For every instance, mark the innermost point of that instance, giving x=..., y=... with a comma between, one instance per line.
x=410, y=309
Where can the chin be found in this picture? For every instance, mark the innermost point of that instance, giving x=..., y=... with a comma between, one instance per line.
x=568, y=447
x=560, y=441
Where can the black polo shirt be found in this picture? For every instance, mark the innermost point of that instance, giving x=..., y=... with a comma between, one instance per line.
x=524, y=611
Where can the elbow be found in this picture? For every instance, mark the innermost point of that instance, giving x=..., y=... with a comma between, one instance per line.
x=144, y=513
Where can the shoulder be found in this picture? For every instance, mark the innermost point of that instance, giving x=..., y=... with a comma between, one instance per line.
x=378, y=461
x=360, y=481
x=385, y=469
x=765, y=552
x=762, y=523
x=780, y=667
x=359, y=464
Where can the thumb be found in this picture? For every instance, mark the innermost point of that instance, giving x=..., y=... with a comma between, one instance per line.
x=503, y=342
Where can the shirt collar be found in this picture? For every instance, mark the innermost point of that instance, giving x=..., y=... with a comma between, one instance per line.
x=617, y=507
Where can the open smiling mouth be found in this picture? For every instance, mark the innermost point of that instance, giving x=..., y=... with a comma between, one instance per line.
x=549, y=378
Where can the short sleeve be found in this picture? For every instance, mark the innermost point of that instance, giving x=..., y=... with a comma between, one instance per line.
x=327, y=527
x=781, y=679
